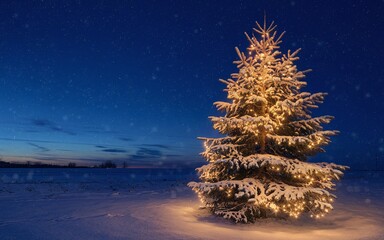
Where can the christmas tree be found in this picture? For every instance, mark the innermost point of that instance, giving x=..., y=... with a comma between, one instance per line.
x=259, y=168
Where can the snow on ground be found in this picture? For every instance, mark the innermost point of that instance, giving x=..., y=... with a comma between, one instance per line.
x=156, y=204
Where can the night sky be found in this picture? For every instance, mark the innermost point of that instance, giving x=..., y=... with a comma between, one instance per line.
x=134, y=81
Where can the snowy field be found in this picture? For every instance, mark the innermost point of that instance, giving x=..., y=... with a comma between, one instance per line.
x=156, y=204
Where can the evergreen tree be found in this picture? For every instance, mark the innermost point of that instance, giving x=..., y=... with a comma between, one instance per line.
x=259, y=168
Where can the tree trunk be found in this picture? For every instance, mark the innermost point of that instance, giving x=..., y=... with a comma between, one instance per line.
x=263, y=132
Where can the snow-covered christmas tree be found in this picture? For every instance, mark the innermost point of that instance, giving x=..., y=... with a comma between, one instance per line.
x=259, y=168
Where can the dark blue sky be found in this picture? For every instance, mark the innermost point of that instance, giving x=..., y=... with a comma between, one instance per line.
x=134, y=81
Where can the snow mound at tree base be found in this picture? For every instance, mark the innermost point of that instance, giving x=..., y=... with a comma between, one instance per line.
x=347, y=221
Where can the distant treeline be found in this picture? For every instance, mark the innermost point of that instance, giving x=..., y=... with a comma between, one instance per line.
x=37, y=165
x=3, y=164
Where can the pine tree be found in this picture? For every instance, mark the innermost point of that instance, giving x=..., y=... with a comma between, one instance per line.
x=260, y=168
